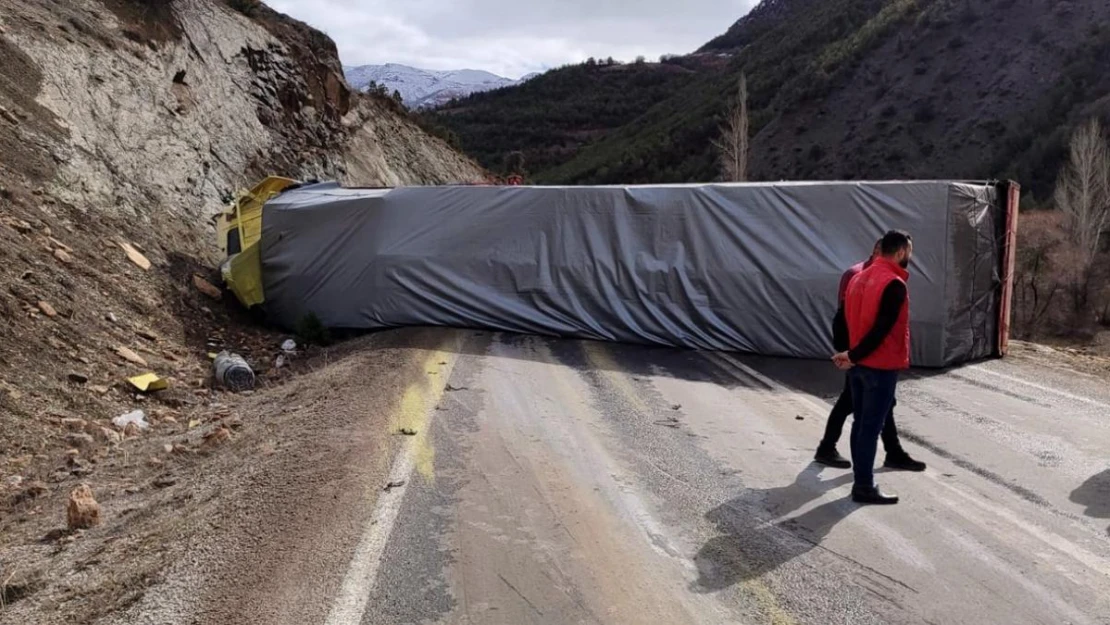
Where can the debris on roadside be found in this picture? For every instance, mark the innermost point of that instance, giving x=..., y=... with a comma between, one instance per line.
x=206, y=287
x=74, y=423
x=109, y=435
x=135, y=255
x=47, y=309
x=289, y=345
x=800, y=418
x=407, y=431
x=80, y=440
x=670, y=422
x=19, y=225
x=451, y=389
x=58, y=244
x=130, y=356
x=233, y=372
x=82, y=510
x=390, y=486
x=137, y=417
x=149, y=382
x=31, y=491
x=77, y=378
x=216, y=437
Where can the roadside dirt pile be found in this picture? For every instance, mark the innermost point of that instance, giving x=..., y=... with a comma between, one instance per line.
x=124, y=125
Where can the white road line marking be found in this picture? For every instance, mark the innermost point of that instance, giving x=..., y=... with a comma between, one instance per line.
x=416, y=409
x=1091, y=560
x=1039, y=387
x=350, y=605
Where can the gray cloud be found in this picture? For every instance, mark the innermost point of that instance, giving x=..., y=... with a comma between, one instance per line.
x=509, y=37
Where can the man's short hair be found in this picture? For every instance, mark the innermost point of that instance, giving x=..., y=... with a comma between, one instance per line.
x=895, y=241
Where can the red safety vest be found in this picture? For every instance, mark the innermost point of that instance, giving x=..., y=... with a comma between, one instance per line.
x=861, y=307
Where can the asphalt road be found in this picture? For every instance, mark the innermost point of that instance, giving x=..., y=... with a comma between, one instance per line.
x=551, y=481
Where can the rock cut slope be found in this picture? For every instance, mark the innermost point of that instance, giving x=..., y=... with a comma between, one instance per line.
x=124, y=125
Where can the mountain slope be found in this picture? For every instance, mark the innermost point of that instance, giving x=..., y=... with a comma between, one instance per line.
x=124, y=126
x=866, y=89
x=551, y=116
x=421, y=88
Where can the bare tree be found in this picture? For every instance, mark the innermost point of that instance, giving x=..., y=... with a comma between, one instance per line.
x=732, y=145
x=1083, y=195
x=1083, y=189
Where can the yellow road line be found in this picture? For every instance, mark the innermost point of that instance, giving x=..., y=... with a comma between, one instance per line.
x=418, y=403
x=414, y=412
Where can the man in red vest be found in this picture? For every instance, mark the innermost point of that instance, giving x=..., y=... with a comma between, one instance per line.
x=877, y=309
x=896, y=456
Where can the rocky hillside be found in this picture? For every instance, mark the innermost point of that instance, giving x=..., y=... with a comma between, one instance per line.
x=124, y=125
x=864, y=89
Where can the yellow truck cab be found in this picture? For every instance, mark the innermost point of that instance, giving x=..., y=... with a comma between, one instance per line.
x=238, y=235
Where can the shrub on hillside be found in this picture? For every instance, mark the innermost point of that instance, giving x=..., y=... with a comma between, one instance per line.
x=246, y=7
x=1053, y=295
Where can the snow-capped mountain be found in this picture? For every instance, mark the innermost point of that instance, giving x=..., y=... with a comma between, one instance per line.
x=421, y=88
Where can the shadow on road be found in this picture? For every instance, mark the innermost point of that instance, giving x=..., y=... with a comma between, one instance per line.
x=815, y=377
x=751, y=545
x=1095, y=494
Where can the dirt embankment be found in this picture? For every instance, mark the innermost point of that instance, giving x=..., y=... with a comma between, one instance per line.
x=124, y=125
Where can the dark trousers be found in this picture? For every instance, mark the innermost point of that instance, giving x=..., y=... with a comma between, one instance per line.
x=839, y=415
x=872, y=401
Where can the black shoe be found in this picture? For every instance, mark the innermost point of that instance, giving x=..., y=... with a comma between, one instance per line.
x=872, y=496
x=903, y=462
x=830, y=458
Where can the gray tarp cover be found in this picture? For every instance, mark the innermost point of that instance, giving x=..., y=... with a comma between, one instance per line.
x=746, y=267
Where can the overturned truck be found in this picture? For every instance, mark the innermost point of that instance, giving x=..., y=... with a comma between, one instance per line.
x=739, y=267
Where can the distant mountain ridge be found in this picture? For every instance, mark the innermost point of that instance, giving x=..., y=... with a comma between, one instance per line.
x=422, y=88
x=838, y=89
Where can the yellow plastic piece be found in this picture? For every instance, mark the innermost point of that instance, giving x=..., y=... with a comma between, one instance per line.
x=243, y=270
x=243, y=275
x=148, y=382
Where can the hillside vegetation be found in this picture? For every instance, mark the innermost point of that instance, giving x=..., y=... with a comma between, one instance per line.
x=840, y=89
x=552, y=116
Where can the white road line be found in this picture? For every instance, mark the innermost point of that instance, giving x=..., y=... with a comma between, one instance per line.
x=350, y=605
x=1091, y=560
x=1039, y=387
x=415, y=410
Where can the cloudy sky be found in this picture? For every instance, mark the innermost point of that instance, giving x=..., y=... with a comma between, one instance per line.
x=512, y=37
